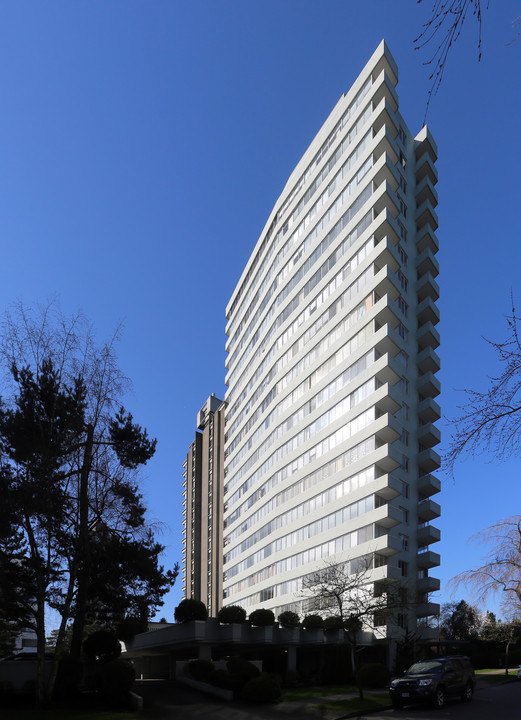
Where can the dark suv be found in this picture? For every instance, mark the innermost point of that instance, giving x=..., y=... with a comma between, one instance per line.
x=433, y=681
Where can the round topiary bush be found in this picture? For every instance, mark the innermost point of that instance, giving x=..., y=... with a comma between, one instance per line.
x=313, y=622
x=190, y=609
x=374, y=675
x=262, y=617
x=102, y=645
x=114, y=681
x=199, y=669
x=333, y=623
x=232, y=614
x=261, y=689
x=289, y=619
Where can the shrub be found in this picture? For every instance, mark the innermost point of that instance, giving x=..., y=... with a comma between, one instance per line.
x=232, y=614
x=190, y=609
x=199, y=669
x=333, y=623
x=313, y=622
x=223, y=679
x=289, y=619
x=261, y=689
x=114, y=681
x=374, y=675
x=102, y=645
x=262, y=617
x=242, y=668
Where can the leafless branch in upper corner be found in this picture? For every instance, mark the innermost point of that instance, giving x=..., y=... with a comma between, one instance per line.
x=443, y=29
x=490, y=421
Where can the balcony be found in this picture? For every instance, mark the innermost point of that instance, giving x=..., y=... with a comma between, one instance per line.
x=386, y=283
x=384, y=341
x=425, y=191
x=427, y=609
x=428, y=559
x=427, y=287
x=387, y=487
x=429, y=410
x=386, y=369
x=427, y=263
x=425, y=143
x=427, y=535
x=428, y=510
x=428, y=361
x=386, y=458
x=429, y=435
x=426, y=215
x=428, y=584
x=428, y=336
x=428, y=385
x=384, y=168
x=426, y=168
x=428, y=461
x=387, y=516
x=384, y=198
x=428, y=485
x=427, y=312
x=383, y=141
x=427, y=240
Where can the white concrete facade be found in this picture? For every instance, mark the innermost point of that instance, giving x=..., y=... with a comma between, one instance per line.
x=332, y=364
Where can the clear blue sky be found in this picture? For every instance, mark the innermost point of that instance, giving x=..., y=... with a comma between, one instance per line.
x=143, y=145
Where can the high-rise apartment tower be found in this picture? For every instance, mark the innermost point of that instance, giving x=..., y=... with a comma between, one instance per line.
x=332, y=365
x=202, y=508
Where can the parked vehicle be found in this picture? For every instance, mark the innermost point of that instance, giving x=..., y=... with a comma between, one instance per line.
x=434, y=681
x=519, y=673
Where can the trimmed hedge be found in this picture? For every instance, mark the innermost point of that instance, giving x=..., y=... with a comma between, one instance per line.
x=190, y=609
x=262, y=617
x=289, y=619
x=232, y=614
x=313, y=622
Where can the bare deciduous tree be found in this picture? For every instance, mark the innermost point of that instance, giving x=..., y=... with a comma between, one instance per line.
x=345, y=590
x=501, y=568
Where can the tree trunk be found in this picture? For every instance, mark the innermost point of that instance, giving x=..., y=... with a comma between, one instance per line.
x=83, y=550
x=41, y=680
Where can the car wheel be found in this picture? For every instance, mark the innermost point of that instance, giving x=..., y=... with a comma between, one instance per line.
x=439, y=697
x=469, y=692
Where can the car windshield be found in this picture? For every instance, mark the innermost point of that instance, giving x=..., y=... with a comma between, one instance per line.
x=429, y=666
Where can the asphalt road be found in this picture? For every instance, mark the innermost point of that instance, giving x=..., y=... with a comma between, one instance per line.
x=499, y=702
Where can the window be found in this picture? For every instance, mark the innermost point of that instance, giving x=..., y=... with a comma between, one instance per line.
x=403, y=184
x=402, y=255
x=405, y=467
x=403, y=567
x=405, y=486
x=402, y=331
x=403, y=160
x=404, y=437
x=405, y=515
x=401, y=135
x=404, y=541
x=402, y=305
x=403, y=231
x=403, y=208
x=403, y=281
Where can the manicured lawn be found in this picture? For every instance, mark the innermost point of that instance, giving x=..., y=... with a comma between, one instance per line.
x=492, y=675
